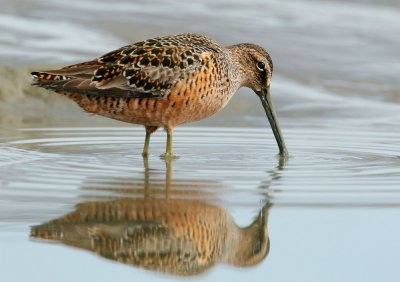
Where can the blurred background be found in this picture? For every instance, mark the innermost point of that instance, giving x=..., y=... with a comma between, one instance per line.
x=333, y=207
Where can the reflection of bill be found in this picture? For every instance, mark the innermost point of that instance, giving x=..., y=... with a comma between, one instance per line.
x=182, y=237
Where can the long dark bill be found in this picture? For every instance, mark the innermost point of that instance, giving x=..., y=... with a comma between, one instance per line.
x=273, y=120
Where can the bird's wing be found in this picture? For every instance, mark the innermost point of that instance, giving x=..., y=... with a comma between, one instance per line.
x=145, y=69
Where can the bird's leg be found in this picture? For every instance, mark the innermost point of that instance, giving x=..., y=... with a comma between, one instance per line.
x=168, y=151
x=149, y=131
x=145, y=152
x=168, y=155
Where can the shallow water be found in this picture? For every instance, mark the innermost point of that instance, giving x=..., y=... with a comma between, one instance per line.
x=333, y=200
x=79, y=203
x=337, y=168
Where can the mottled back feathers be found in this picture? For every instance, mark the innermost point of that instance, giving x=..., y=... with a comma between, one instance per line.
x=147, y=69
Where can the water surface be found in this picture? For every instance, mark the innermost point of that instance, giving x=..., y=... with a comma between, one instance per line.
x=80, y=186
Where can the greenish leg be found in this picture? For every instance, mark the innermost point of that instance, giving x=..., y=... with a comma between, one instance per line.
x=168, y=155
x=149, y=131
x=168, y=152
x=145, y=152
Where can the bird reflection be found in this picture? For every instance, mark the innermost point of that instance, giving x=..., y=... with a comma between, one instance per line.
x=166, y=234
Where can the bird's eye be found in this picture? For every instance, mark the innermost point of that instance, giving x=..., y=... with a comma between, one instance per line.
x=261, y=66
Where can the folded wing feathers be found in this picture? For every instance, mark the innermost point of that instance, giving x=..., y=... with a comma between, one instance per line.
x=144, y=69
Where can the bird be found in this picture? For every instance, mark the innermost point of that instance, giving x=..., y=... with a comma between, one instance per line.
x=166, y=81
x=175, y=236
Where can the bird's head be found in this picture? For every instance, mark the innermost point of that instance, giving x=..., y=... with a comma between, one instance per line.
x=256, y=69
x=251, y=244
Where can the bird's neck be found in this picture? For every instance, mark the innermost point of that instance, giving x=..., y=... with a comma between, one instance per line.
x=240, y=60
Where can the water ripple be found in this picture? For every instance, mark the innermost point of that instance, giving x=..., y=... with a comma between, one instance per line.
x=232, y=166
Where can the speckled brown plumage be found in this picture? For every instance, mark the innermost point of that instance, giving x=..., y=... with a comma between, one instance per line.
x=162, y=82
x=182, y=237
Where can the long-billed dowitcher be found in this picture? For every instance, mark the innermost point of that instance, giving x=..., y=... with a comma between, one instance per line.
x=166, y=81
